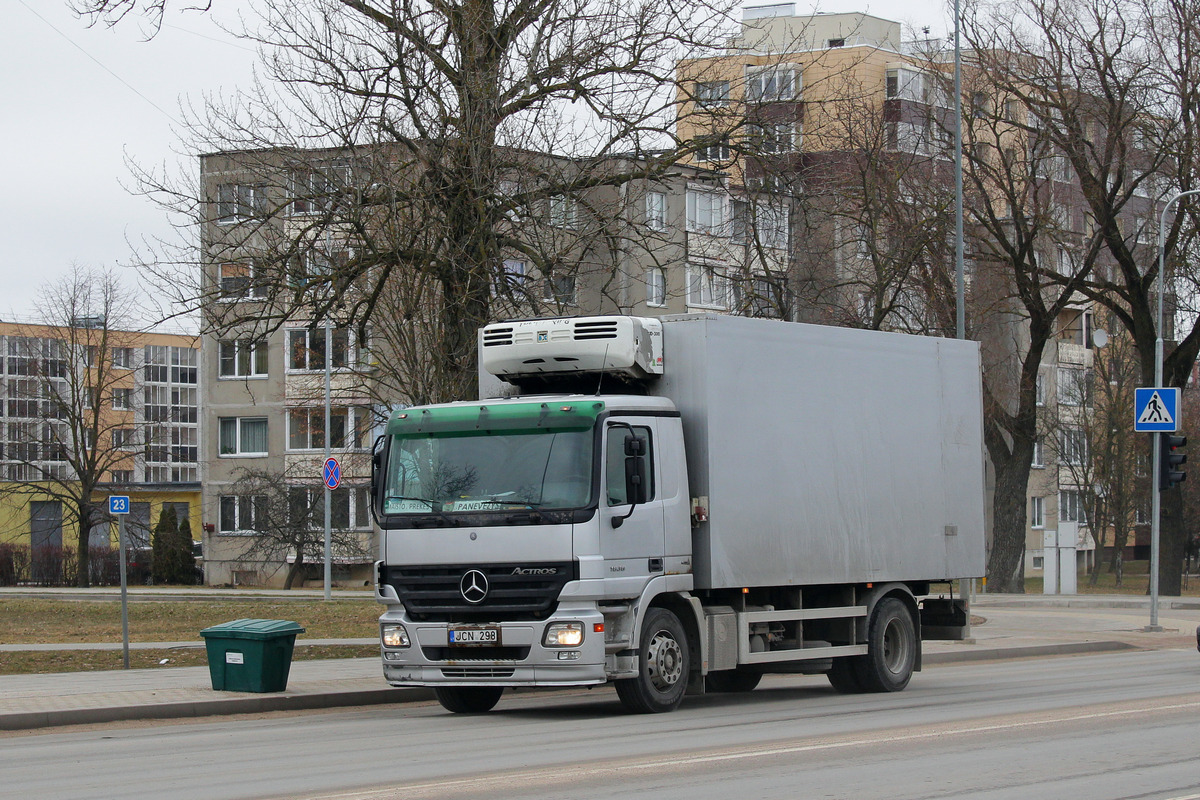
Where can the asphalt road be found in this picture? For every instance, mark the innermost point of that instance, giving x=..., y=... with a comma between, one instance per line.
x=1102, y=726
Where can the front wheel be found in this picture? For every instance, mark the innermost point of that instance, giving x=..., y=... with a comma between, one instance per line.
x=468, y=699
x=891, y=648
x=662, y=668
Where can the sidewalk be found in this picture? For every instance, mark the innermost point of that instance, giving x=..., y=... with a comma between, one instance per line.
x=1015, y=626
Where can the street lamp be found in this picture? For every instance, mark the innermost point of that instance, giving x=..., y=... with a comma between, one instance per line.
x=1155, y=503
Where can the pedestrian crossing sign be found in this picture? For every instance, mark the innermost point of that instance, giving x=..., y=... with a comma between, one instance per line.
x=1156, y=410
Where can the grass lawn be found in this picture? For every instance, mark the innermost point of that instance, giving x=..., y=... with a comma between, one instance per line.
x=52, y=621
x=1135, y=581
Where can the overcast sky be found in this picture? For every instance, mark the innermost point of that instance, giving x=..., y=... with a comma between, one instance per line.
x=77, y=102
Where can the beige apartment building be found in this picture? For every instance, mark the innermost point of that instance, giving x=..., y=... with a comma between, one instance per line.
x=787, y=113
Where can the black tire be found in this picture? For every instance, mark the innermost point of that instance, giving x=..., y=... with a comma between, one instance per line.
x=892, y=648
x=843, y=675
x=662, y=668
x=468, y=699
x=732, y=680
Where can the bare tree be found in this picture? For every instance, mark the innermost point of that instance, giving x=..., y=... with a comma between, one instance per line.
x=69, y=377
x=424, y=145
x=288, y=522
x=1112, y=91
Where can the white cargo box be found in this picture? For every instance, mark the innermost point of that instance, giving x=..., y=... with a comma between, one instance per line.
x=827, y=455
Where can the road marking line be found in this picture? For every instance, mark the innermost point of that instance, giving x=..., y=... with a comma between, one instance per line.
x=556, y=772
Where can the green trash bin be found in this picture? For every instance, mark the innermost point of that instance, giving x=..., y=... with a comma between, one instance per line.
x=250, y=655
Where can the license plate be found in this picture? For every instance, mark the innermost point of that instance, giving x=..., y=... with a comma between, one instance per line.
x=468, y=636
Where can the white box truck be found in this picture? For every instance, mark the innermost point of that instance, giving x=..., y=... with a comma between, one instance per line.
x=679, y=506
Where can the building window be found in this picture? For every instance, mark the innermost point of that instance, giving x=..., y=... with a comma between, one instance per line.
x=123, y=438
x=1038, y=458
x=759, y=224
x=348, y=507
x=1039, y=562
x=122, y=357
x=656, y=287
x=562, y=211
x=1074, y=386
x=513, y=278
x=1039, y=389
x=1037, y=516
x=1070, y=506
x=240, y=201
x=306, y=428
x=121, y=476
x=772, y=84
x=707, y=287
x=242, y=359
x=836, y=43
x=761, y=297
x=705, y=212
x=560, y=289
x=712, y=94
x=121, y=398
x=716, y=150
x=1073, y=446
x=241, y=514
x=243, y=436
x=314, y=191
x=656, y=211
x=306, y=348
x=772, y=137
x=239, y=280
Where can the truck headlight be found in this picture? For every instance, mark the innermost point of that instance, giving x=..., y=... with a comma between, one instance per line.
x=563, y=634
x=394, y=635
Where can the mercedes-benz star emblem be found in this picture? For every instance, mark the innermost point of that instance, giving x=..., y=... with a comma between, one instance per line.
x=474, y=586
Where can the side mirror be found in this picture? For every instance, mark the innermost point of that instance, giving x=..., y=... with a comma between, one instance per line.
x=378, y=451
x=635, y=470
x=635, y=475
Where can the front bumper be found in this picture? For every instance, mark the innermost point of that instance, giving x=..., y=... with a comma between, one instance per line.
x=520, y=660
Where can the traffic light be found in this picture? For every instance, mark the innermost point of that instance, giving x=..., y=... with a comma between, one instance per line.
x=1170, y=459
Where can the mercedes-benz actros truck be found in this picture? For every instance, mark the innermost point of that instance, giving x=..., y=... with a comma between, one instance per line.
x=681, y=505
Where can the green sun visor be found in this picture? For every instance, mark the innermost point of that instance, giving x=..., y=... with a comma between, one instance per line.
x=475, y=420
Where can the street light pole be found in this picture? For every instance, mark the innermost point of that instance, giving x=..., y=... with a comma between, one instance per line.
x=1155, y=503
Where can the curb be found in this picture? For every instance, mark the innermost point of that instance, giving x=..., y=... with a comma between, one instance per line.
x=254, y=704
x=1029, y=651
x=260, y=703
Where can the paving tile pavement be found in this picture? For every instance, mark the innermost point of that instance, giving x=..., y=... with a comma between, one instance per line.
x=1013, y=627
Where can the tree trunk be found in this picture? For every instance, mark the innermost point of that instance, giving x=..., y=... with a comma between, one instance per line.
x=1004, y=573
x=83, y=513
x=295, y=569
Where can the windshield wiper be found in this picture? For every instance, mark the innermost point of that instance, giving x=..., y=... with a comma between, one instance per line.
x=522, y=503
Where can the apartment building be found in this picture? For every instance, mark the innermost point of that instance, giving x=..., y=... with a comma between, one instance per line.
x=852, y=123
x=145, y=389
x=676, y=243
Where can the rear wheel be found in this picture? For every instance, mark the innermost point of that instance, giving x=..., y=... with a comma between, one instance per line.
x=662, y=669
x=468, y=699
x=732, y=680
x=891, y=648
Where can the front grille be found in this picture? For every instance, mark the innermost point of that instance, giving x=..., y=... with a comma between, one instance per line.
x=461, y=654
x=432, y=592
x=477, y=672
x=599, y=329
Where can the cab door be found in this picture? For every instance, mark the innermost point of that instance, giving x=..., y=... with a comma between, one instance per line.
x=633, y=544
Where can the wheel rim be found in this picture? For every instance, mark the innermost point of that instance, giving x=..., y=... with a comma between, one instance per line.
x=896, y=647
x=664, y=661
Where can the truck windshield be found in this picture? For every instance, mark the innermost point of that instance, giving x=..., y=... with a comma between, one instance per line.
x=489, y=472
